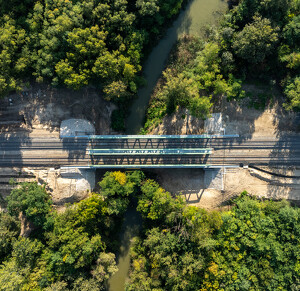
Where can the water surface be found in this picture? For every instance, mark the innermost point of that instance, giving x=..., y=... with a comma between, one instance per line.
x=198, y=14
x=130, y=228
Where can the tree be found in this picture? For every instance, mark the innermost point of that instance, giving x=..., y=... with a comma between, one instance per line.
x=155, y=203
x=11, y=277
x=116, y=91
x=117, y=187
x=275, y=10
x=71, y=249
x=85, y=46
x=291, y=32
x=292, y=92
x=106, y=267
x=148, y=7
x=90, y=214
x=9, y=230
x=200, y=107
x=257, y=247
x=13, y=55
x=15, y=272
x=178, y=90
x=26, y=251
x=31, y=199
x=256, y=41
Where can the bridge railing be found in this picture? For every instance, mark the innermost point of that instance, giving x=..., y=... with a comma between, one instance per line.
x=149, y=152
x=196, y=136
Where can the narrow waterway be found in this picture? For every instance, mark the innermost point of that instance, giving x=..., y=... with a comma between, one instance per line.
x=198, y=13
x=131, y=226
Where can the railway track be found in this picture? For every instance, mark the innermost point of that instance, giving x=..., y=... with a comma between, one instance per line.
x=84, y=152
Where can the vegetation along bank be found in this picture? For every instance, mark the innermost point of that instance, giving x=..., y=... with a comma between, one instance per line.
x=256, y=40
x=253, y=246
x=79, y=43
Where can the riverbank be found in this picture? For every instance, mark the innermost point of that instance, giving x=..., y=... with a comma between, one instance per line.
x=197, y=15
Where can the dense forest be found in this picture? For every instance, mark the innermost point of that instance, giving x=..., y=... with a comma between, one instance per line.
x=256, y=40
x=70, y=250
x=76, y=43
x=253, y=246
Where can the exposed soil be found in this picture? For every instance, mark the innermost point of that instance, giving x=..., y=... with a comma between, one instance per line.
x=38, y=112
x=243, y=119
x=273, y=120
x=44, y=107
x=180, y=122
x=64, y=186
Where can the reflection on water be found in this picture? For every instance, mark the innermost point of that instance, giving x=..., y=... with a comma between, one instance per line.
x=198, y=13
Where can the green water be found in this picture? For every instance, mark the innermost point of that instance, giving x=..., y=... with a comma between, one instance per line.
x=130, y=228
x=198, y=14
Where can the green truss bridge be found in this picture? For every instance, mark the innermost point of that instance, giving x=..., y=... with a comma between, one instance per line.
x=153, y=151
x=150, y=151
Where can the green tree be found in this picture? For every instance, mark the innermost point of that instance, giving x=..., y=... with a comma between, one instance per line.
x=15, y=272
x=292, y=92
x=178, y=239
x=117, y=187
x=9, y=230
x=116, y=91
x=85, y=46
x=26, y=251
x=71, y=249
x=13, y=55
x=291, y=32
x=11, y=277
x=200, y=107
x=147, y=7
x=155, y=203
x=256, y=41
x=105, y=267
x=275, y=10
x=31, y=199
x=257, y=247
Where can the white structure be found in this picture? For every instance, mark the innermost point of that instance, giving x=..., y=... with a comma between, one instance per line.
x=76, y=127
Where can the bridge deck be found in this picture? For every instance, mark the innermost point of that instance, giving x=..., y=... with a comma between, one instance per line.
x=149, y=152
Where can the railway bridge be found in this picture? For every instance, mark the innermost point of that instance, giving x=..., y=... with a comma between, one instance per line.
x=150, y=151
x=154, y=151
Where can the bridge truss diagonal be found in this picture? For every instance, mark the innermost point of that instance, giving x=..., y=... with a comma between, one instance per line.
x=152, y=151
